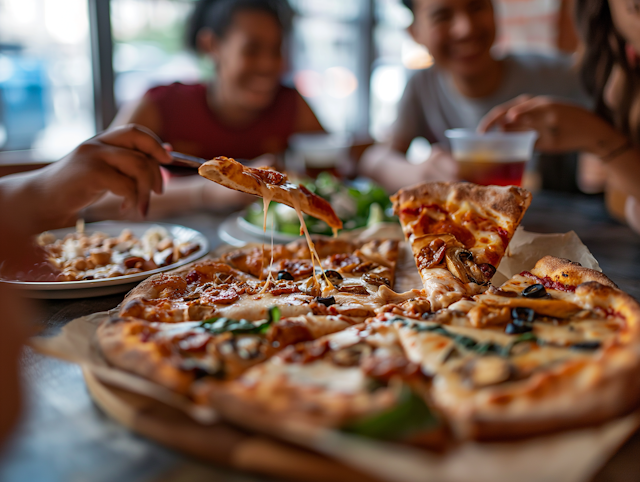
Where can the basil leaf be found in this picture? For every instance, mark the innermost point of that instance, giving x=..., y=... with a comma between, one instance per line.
x=273, y=315
x=529, y=336
x=411, y=415
x=218, y=326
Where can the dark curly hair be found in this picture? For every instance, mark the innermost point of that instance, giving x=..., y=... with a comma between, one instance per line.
x=604, y=49
x=217, y=15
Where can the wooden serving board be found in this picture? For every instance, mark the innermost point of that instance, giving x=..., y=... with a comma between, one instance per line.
x=219, y=443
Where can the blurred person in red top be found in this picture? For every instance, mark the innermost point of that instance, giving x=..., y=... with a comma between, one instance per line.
x=125, y=162
x=245, y=111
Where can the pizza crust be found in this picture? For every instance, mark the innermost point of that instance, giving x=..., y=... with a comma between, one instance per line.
x=118, y=342
x=589, y=391
x=567, y=272
x=508, y=202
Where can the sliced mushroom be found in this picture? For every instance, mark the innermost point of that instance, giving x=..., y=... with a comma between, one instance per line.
x=248, y=347
x=354, y=290
x=488, y=370
x=202, y=367
x=351, y=356
x=310, y=287
x=376, y=279
x=460, y=263
x=334, y=276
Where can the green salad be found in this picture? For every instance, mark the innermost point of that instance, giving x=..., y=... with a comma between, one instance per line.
x=360, y=203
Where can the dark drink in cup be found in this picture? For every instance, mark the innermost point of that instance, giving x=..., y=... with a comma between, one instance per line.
x=493, y=158
x=487, y=172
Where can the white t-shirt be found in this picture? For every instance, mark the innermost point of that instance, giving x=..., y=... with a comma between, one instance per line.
x=431, y=104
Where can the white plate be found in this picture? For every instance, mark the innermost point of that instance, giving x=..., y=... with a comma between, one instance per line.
x=107, y=286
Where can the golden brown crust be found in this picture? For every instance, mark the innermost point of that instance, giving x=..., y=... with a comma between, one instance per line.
x=510, y=202
x=567, y=272
x=263, y=181
x=118, y=340
x=613, y=396
x=592, y=389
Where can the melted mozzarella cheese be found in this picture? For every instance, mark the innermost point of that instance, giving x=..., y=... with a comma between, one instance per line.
x=320, y=374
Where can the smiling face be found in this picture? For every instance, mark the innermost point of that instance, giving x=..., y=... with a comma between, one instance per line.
x=249, y=59
x=458, y=33
x=626, y=18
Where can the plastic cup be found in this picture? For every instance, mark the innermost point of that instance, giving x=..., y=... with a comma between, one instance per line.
x=494, y=158
x=314, y=153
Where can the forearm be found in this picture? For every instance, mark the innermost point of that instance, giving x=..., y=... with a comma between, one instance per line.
x=387, y=167
x=624, y=172
x=621, y=159
x=26, y=207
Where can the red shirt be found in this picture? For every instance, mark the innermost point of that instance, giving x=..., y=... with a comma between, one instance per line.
x=190, y=126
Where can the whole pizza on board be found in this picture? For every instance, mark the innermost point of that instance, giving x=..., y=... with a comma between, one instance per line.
x=312, y=332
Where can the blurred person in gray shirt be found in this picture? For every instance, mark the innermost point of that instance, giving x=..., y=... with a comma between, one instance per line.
x=465, y=82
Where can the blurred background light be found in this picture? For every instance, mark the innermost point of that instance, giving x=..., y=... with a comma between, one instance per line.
x=339, y=82
x=66, y=20
x=308, y=82
x=415, y=56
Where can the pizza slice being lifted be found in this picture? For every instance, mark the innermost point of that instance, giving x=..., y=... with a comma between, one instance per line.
x=458, y=232
x=270, y=185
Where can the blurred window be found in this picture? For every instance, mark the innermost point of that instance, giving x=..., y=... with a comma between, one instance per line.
x=330, y=60
x=397, y=55
x=350, y=59
x=149, y=47
x=46, y=93
x=528, y=25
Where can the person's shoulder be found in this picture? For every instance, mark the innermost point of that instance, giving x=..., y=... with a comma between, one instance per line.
x=288, y=92
x=422, y=76
x=175, y=90
x=547, y=74
x=420, y=80
x=541, y=63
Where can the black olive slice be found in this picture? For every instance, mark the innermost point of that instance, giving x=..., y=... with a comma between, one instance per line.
x=333, y=276
x=285, y=275
x=524, y=314
x=534, y=291
x=513, y=329
x=328, y=301
x=586, y=345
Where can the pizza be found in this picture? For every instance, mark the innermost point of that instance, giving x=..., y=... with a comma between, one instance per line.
x=458, y=232
x=358, y=380
x=176, y=355
x=355, y=280
x=272, y=340
x=269, y=184
x=214, y=318
x=567, y=355
x=82, y=256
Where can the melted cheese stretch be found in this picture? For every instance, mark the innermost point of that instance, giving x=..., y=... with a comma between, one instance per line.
x=266, y=202
x=294, y=192
x=312, y=249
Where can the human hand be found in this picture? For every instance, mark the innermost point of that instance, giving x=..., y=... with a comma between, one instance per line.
x=561, y=126
x=439, y=166
x=124, y=161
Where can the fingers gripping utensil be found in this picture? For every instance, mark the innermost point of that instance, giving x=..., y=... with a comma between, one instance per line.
x=183, y=164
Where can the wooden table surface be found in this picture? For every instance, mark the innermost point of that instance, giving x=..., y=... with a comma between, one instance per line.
x=64, y=437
